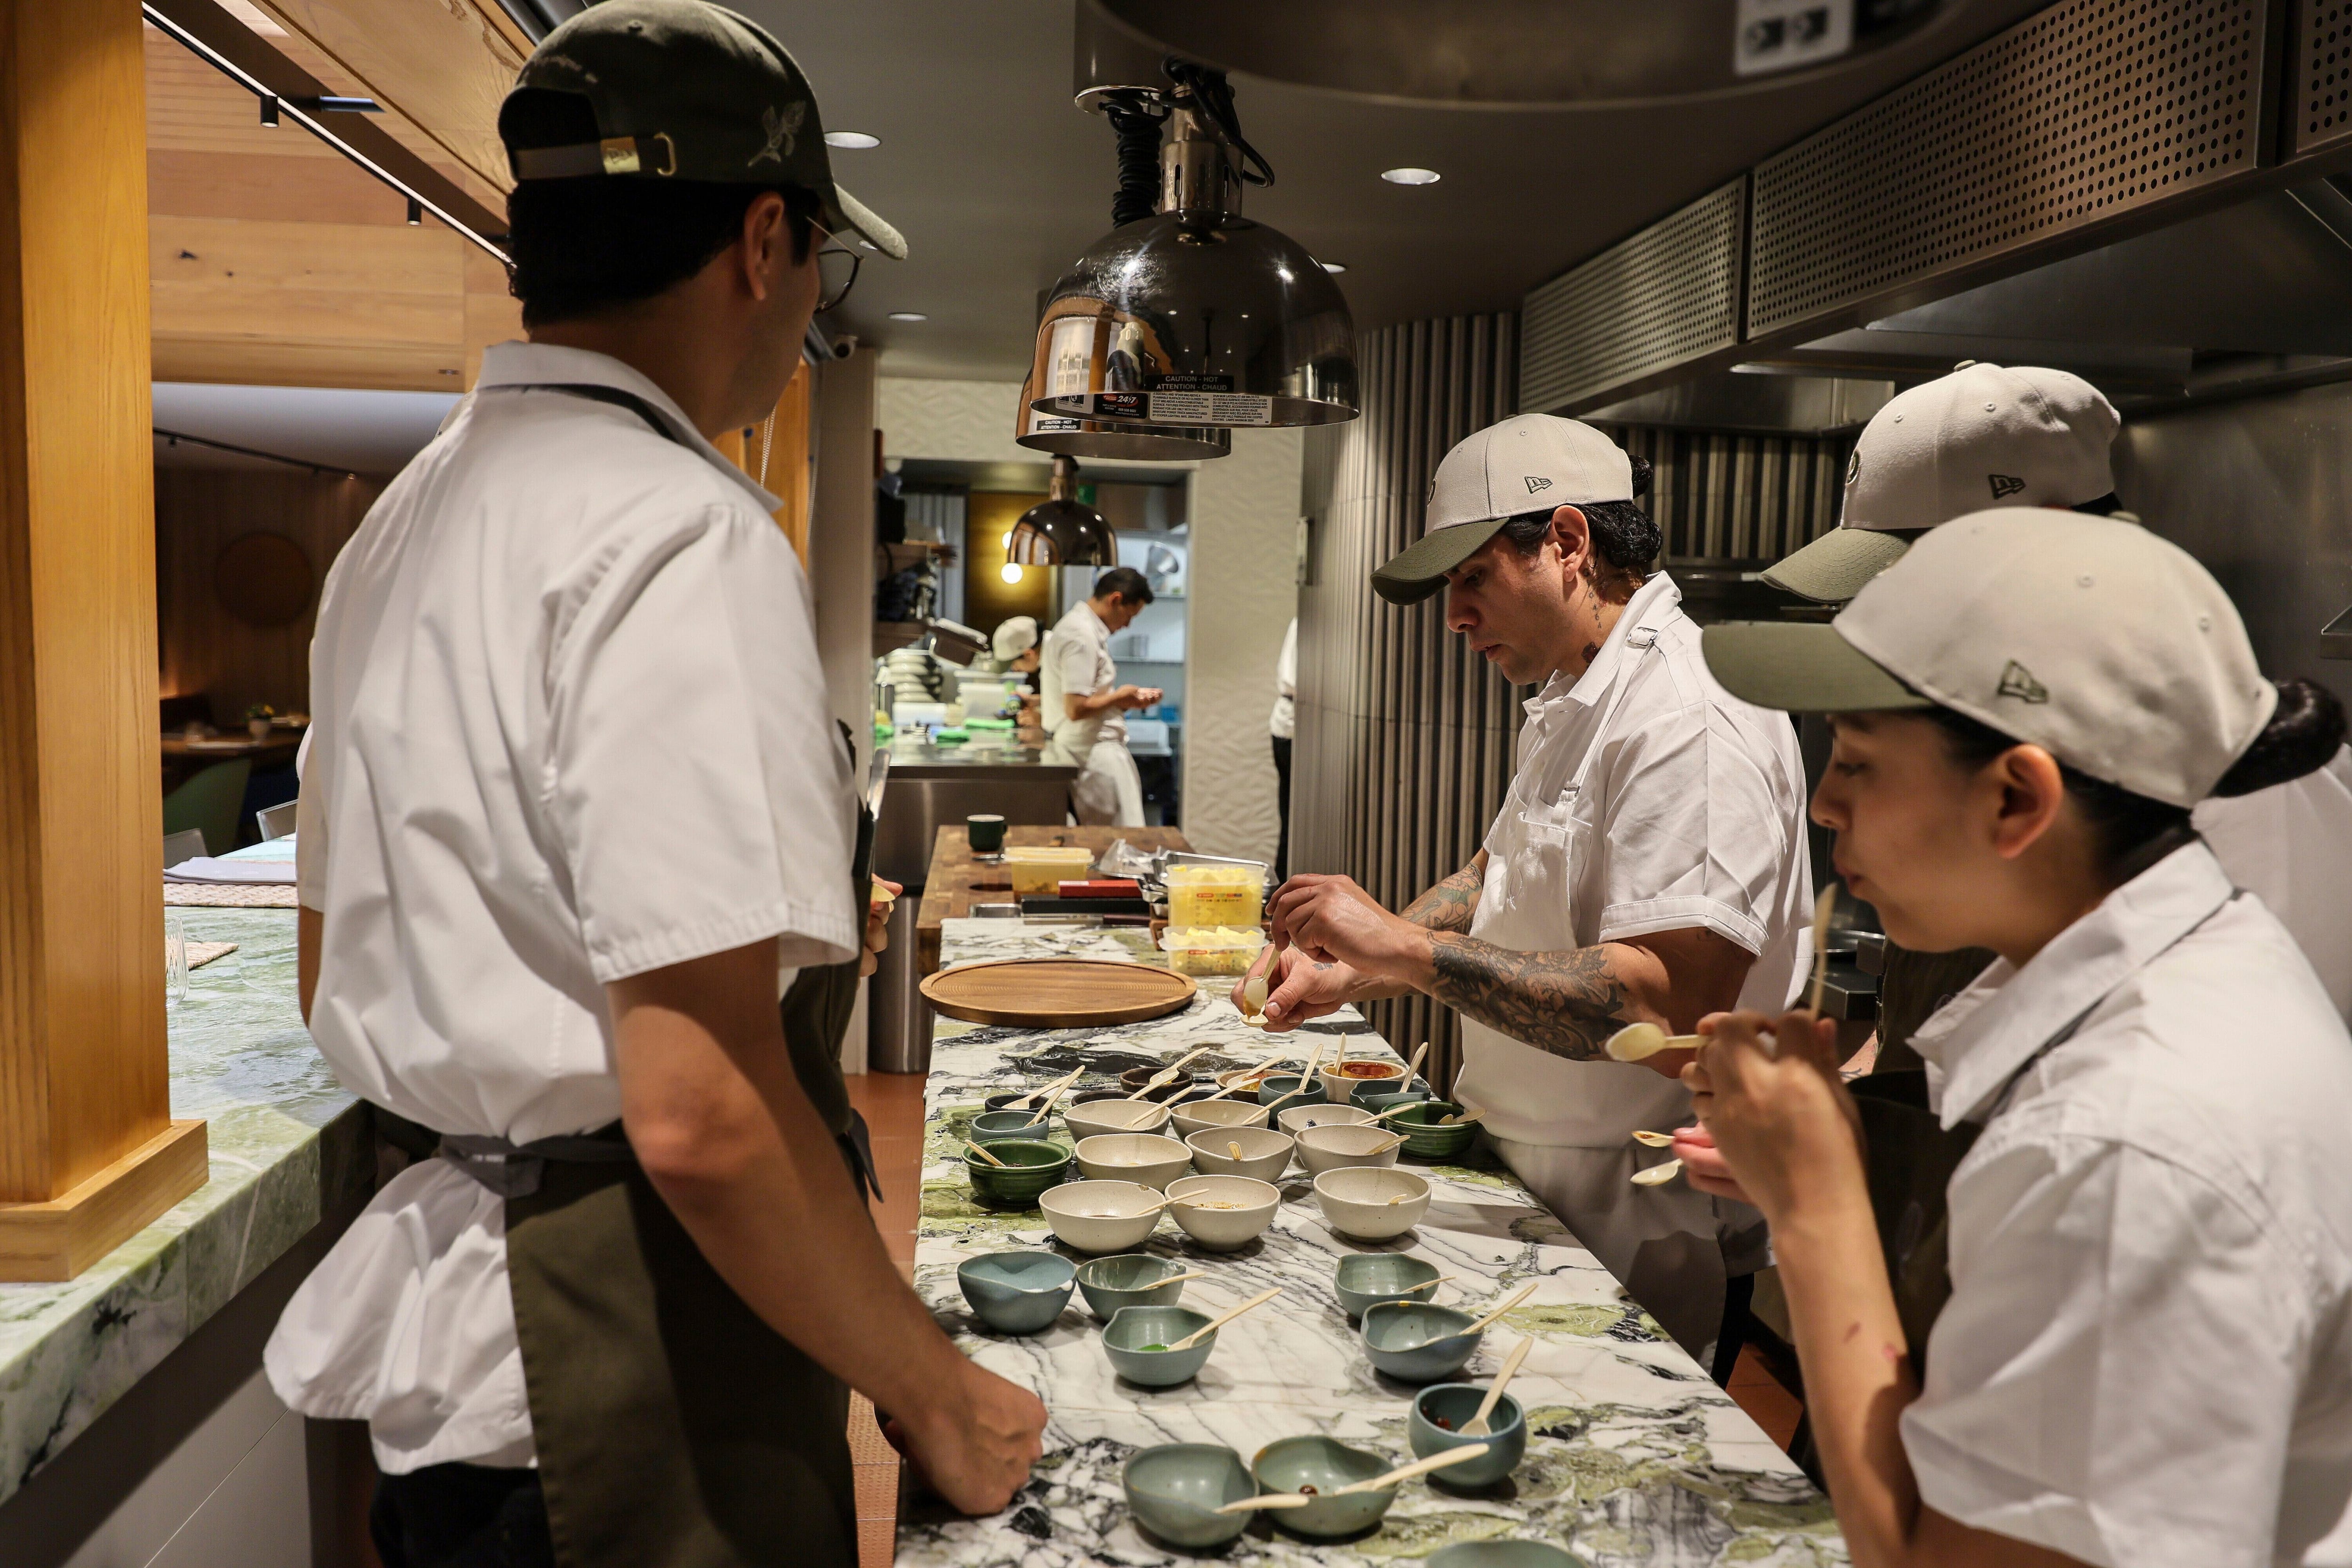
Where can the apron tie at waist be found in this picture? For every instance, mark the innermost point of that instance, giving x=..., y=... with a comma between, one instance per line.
x=514, y=1170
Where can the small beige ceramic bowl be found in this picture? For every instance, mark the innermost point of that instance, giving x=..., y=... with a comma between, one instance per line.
x=1328, y=1148
x=1140, y=1157
x=1223, y=1230
x=1338, y=1086
x=1263, y=1157
x=1202, y=1115
x=1097, y=1117
x=1296, y=1119
x=1102, y=1216
x=1356, y=1201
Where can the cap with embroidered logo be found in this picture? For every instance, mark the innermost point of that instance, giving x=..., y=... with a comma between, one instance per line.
x=686, y=90
x=1529, y=462
x=1984, y=435
x=2107, y=646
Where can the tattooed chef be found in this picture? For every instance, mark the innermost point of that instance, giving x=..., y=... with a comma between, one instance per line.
x=1648, y=862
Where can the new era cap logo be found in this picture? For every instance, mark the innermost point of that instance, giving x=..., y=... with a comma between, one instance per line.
x=1536, y=482
x=2018, y=681
x=2004, y=485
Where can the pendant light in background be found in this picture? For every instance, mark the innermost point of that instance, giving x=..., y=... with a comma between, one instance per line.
x=1061, y=530
x=1193, y=316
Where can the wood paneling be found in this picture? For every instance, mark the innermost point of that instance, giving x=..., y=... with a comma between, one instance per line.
x=205, y=649
x=82, y=1069
x=775, y=453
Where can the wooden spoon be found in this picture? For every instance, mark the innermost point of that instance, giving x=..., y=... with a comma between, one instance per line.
x=1271, y=1500
x=1457, y=1456
x=1657, y=1176
x=1057, y=1087
x=981, y=1149
x=1304, y=1080
x=1523, y=1292
x=1478, y=1426
x=1654, y=1140
x=1260, y=1300
x=1424, y=1284
x=1463, y=1118
x=1636, y=1042
x=1822, y=907
x=1167, y=1075
x=1234, y=1149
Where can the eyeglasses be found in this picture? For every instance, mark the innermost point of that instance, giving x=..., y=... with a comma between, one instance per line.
x=836, y=271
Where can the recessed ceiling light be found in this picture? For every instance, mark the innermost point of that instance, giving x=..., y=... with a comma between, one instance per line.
x=1410, y=176
x=908, y=316
x=1332, y=266
x=853, y=139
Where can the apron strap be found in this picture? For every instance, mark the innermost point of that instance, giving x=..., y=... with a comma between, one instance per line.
x=595, y=392
x=515, y=1170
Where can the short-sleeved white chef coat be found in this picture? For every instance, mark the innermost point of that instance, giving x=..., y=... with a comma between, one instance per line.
x=1077, y=663
x=2293, y=845
x=2147, y=1360
x=568, y=726
x=1647, y=799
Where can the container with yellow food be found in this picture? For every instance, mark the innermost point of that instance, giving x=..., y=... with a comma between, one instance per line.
x=1211, y=950
x=1216, y=896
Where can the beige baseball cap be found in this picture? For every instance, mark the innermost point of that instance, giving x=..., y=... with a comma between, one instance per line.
x=1984, y=435
x=1529, y=462
x=2090, y=638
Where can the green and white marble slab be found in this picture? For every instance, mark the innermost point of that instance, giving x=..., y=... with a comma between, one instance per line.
x=1637, y=1458
x=286, y=1145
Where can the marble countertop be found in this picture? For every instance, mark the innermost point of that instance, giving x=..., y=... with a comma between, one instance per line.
x=1637, y=1458
x=286, y=1146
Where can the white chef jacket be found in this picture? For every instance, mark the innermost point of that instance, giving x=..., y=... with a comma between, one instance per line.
x=2293, y=845
x=1647, y=799
x=1107, y=792
x=1283, y=723
x=2146, y=1358
x=568, y=726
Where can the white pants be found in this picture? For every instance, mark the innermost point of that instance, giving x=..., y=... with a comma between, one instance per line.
x=1666, y=1244
x=1107, y=792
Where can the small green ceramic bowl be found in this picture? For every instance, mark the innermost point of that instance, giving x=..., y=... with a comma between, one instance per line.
x=1281, y=1084
x=1016, y=1292
x=1030, y=1167
x=1424, y=1139
x=1002, y=1126
x=1415, y=1342
x=1131, y=1328
x=1456, y=1403
x=1326, y=1465
x=1365, y=1280
x=1126, y=1279
x=1176, y=1489
x=1502, y=1555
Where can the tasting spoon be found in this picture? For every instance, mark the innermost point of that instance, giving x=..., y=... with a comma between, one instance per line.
x=1478, y=1426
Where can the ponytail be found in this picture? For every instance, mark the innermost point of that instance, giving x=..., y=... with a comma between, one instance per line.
x=2306, y=729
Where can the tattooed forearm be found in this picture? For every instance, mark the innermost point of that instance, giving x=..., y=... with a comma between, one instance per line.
x=1568, y=1004
x=1449, y=905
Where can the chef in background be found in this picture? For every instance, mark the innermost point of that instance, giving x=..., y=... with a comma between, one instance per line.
x=1085, y=706
x=2027, y=436
x=1014, y=643
x=1649, y=863
x=1282, y=724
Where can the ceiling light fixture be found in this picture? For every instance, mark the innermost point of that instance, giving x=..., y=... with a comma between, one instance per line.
x=1190, y=315
x=1410, y=176
x=1061, y=530
x=855, y=141
x=1009, y=573
x=908, y=316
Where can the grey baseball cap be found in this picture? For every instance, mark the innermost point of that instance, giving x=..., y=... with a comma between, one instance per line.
x=1984, y=435
x=1529, y=462
x=686, y=90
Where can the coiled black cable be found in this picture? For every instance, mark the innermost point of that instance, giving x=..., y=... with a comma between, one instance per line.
x=1137, y=119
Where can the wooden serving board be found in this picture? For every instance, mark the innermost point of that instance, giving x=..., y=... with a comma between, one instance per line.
x=1058, y=992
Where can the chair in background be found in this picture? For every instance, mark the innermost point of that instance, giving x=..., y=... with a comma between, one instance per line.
x=276, y=822
x=185, y=845
x=208, y=803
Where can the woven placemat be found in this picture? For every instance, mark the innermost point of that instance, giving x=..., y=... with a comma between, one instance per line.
x=229, y=896
x=203, y=952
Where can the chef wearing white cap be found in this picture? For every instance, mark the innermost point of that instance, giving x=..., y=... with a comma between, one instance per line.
x=2021, y=435
x=2146, y=1357
x=1014, y=643
x=1648, y=864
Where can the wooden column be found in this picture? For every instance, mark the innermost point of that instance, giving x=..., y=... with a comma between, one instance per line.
x=88, y=1153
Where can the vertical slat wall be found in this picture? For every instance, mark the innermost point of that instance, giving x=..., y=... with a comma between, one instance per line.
x=1404, y=738
x=1738, y=500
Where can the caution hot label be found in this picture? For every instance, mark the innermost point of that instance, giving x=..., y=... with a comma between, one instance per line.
x=1211, y=408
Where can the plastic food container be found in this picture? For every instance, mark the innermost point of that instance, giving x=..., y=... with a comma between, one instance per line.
x=1211, y=950
x=1216, y=896
x=1040, y=873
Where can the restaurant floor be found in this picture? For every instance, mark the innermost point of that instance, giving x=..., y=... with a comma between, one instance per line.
x=892, y=1104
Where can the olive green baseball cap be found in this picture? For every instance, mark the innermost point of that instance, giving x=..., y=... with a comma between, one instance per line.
x=686, y=90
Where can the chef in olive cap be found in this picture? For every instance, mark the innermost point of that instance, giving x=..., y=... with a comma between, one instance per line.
x=575, y=818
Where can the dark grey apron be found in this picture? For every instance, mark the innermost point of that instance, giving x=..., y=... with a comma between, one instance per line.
x=674, y=1427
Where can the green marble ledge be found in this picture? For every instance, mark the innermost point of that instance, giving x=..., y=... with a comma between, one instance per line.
x=286, y=1145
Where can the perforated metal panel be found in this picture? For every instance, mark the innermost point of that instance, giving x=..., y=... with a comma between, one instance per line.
x=2318, y=97
x=2082, y=112
x=1659, y=300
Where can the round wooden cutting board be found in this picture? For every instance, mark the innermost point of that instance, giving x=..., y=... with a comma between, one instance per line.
x=1058, y=992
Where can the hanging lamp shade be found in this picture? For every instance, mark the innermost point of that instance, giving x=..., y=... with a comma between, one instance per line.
x=1066, y=435
x=1061, y=530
